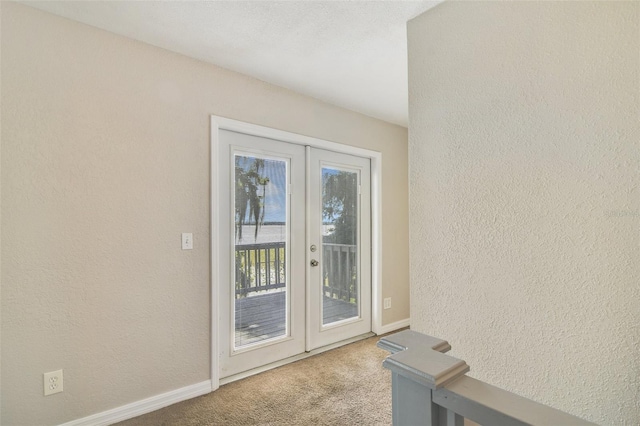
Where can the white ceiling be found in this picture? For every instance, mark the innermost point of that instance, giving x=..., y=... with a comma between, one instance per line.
x=349, y=53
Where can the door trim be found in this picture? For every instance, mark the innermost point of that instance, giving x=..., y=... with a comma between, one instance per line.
x=222, y=123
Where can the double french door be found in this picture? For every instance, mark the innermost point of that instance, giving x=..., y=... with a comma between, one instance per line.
x=295, y=249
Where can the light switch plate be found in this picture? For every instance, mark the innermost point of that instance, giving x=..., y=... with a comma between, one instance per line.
x=187, y=241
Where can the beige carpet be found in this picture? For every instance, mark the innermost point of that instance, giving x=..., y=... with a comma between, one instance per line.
x=344, y=386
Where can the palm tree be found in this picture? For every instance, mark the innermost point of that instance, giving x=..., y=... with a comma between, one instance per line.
x=249, y=206
x=249, y=202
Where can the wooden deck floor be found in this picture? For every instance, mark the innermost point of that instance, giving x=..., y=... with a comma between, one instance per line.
x=263, y=317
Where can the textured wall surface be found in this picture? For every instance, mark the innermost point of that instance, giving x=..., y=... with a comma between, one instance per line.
x=524, y=197
x=105, y=161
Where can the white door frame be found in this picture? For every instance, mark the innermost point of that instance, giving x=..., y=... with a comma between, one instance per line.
x=218, y=123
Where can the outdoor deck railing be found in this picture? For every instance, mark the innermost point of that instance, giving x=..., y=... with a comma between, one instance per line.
x=432, y=389
x=339, y=268
x=261, y=267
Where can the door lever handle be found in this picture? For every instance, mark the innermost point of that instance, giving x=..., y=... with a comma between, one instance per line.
x=314, y=262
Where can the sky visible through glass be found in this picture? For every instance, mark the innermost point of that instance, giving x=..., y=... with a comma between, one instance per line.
x=275, y=192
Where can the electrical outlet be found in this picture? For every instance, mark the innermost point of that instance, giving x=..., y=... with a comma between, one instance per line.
x=187, y=241
x=53, y=382
x=387, y=303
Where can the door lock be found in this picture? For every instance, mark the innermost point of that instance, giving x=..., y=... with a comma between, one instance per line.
x=314, y=262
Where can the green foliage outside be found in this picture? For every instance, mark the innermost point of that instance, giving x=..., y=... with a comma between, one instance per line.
x=249, y=202
x=340, y=206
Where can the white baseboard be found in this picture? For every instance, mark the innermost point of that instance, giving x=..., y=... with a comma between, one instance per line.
x=143, y=406
x=153, y=403
x=394, y=326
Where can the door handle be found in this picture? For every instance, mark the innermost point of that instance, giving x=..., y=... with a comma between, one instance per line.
x=314, y=262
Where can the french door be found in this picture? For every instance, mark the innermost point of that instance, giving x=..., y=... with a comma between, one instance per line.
x=295, y=249
x=339, y=245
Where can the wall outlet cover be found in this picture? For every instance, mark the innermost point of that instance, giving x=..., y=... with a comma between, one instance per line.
x=53, y=382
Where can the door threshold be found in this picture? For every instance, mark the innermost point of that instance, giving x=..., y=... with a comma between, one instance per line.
x=294, y=358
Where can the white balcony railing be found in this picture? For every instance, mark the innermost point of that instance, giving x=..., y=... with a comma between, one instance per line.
x=262, y=267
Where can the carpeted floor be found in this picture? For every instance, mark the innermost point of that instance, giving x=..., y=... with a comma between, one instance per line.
x=344, y=386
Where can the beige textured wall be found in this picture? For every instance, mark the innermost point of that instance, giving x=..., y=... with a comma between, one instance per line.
x=524, y=197
x=105, y=161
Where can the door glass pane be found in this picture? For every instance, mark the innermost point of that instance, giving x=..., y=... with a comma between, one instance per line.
x=261, y=249
x=340, y=281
